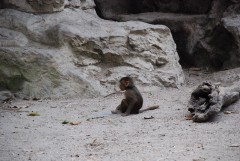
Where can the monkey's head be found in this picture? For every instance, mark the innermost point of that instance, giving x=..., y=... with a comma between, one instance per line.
x=126, y=83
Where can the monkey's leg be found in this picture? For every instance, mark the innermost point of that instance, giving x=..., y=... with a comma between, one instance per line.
x=117, y=110
x=120, y=108
x=135, y=109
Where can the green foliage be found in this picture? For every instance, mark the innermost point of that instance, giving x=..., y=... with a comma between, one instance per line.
x=65, y=122
x=33, y=114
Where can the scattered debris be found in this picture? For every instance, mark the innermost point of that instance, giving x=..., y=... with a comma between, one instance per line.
x=110, y=94
x=116, y=92
x=151, y=117
x=94, y=142
x=200, y=146
x=75, y=156
x=98, y=117
x=74, y=123
x=6, y=96
x=14, y=107
x=26, y=98
x=65, y=122
x=195, y=69
x=70, y=123
x=228, y=112
x=234, y=146
x=112, y=123
x=196, y=73
x=95, y=145
x=35, y=98
x=199, y=159
x=189, y=117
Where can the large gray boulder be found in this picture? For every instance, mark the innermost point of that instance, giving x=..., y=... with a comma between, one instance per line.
x=46, y=6
x=75, y=53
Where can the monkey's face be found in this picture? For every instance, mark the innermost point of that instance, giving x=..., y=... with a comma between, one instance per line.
x=122, y=86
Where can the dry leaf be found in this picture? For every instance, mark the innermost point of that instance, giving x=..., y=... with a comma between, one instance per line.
x=188, y=117
x=74, y=123
x=33, y=114
x=94, y=142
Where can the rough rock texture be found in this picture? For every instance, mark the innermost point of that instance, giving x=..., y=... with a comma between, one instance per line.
x=46, y=6
x=207, y=100
x=200, y=28
x=74, y=52
x=5, y=96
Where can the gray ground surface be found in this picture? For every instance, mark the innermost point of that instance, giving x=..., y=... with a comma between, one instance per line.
x=101, y=136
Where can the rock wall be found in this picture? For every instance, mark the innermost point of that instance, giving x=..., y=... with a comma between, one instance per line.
x=46, y=6
x=200, y=28
x=75, y=53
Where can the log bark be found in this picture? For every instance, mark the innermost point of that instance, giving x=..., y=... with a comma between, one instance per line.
x=207, y=100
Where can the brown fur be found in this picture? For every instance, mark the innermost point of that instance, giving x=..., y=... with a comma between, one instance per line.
x=133, y=99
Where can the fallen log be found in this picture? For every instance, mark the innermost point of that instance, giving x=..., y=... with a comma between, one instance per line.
x=207, y=100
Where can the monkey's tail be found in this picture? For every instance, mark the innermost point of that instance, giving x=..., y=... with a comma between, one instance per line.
x=149, y=108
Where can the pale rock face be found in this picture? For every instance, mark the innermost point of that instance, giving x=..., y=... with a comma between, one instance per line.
x=75, y=53
x=36, y=6
x=83, y=4
x=47, y=6
x=11, y=38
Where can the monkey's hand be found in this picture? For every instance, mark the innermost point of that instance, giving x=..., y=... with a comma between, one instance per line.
x=125, y=114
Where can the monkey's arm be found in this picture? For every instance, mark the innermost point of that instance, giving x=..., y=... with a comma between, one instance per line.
x=131, y=99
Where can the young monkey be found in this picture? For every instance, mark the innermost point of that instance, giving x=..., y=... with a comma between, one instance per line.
x=133, y=99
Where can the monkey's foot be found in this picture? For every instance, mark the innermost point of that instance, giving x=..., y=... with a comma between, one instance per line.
x=116, y=112
x=124, y=114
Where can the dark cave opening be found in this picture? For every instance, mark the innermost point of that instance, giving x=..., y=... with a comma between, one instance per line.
x=215, y=55
x=222, y=43
x=180, y=38
x=2, y=5
x=201, y=41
